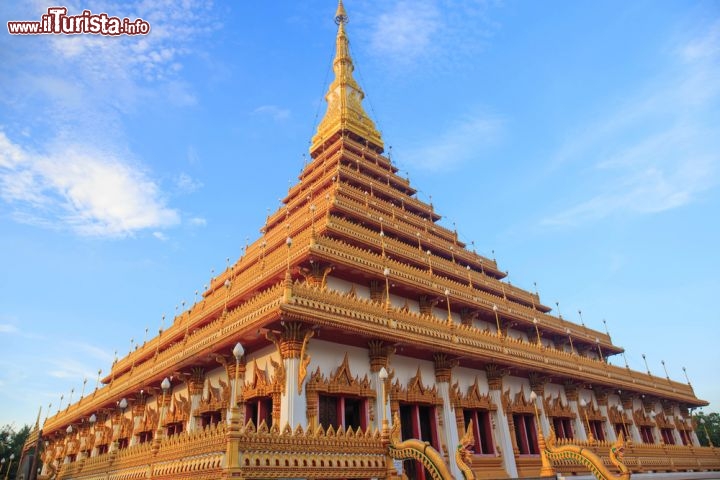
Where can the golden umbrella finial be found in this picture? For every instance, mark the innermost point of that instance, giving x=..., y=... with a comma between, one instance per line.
x=341, y=14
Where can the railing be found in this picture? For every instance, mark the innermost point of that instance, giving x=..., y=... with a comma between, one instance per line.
x=643, y=457
x=244, y=280
x=439, y=264
x=374, y=318
x=311, y=453
x=395, y=212
x=372, y=263
x=198, y=340
x=200, y=452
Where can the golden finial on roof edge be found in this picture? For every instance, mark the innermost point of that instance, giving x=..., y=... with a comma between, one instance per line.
x=344, y=96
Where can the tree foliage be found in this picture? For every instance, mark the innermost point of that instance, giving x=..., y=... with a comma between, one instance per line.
x=711, y=426
x=11, y=442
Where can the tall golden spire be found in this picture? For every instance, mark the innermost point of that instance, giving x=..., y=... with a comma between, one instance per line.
x=345, y=112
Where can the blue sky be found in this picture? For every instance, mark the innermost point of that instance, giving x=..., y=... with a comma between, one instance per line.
x=578, y=141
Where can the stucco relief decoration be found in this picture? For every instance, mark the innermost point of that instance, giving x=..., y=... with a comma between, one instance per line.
x=415, y=392
x=554, y=407
x=472, y=399
x=517, y=403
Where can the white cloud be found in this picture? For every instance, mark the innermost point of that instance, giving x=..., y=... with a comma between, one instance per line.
x=406, y=31
x=187, y=184
x=273, y=111
x=660, y=151
x=703, y=47
x=463, y=141
x=91, y=192
x=160, y=236
x=6, y=328
x=428, y=32
x=198, y=222
x=83, y=85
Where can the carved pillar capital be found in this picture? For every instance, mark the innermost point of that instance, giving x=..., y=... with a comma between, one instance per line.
x=627, y=401
x=316, y=274
x=669, y=408
x=648, y=404
x=291, y=339
x=196, y=381
x=495, y=374
x=379, y=353
x=426, y=304
x=230, y=370
x=537, y=383
x=601, y=395
x=572, y=391
x=443, y=367
x=467, y=316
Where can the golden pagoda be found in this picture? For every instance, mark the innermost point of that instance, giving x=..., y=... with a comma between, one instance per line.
x=359, y=338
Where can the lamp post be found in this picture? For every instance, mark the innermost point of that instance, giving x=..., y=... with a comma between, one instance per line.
x=238, y=351
x=584, y=405
x=165, y=385
x=572, y=347
x=386, y=274
x=12, y=457
x=288, y=242
x=497, y=320
x=546, y=469
x=227, y=285
x=447, y=301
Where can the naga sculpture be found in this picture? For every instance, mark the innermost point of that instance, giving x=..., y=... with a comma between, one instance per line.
x=417, y=450
x=592, y=461
x=463, y=453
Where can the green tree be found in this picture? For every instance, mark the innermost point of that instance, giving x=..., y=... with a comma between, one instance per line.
x=708, y=424
x=11, y=443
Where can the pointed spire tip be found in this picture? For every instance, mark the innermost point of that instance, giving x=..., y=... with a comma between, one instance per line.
x=341, y=14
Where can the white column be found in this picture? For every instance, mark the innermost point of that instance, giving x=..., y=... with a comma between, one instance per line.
x=578, y=422
x=544, y=422
x=379, y=407
x=450, y=424
x=292, y=403
x=676, y=434
x=633, y=428
x=193, y=421
x=609, y=427
x=503, y=434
